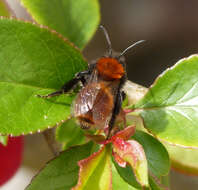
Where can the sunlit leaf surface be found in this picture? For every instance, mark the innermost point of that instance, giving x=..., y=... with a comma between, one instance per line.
x=33, y=61
x=75, y=19
x=170, y=108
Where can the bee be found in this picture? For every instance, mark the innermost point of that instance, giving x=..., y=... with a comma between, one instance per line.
x=99, y=102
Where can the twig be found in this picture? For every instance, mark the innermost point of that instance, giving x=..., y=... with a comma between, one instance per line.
x=54, y=146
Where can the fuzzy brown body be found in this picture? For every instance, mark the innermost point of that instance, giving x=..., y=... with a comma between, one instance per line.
x=99, y=102
x=95, y=102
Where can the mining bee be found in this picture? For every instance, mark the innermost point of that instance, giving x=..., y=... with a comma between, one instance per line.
x=98, y=103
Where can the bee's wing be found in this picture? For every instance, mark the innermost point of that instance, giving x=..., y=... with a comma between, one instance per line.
x=104, y=103
x=103, y=106
x=86, y=98
x=95, y=103
x=93, y=77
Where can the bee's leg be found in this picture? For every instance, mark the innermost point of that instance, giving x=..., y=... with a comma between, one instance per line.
x=122, y=113
x=69, y=85
x=123, y=95
x=81, y=76
x=116, y=110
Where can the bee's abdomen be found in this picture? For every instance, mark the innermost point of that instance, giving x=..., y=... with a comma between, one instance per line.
x=86, y=120
x=94, y=109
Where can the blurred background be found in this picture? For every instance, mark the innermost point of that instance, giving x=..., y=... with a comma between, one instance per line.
x=170, y=29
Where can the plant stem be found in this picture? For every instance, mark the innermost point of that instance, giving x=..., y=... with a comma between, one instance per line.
x=54, y=146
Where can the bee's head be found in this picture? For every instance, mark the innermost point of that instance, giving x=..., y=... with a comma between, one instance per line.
x=110, y=50
x=111, y=67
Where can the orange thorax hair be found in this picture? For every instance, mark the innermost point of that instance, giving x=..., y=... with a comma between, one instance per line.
x=109, y=68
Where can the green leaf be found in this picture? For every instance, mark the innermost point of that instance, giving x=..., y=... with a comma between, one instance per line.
x=170, y=107
x=33, y=61
x=156, y=154
x=188, y=164
x=154, y=185
x=118, y=183
x=4, y=10
x=62, y=172
x=127, y=175
x=70, y=133
x=165, y=180
x=77, y=20
x=95, y=171
x=3, y=140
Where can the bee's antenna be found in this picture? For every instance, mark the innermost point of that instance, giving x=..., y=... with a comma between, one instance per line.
x=131, y=46
x=108, y=39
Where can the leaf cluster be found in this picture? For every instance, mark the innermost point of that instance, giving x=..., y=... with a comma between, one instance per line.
x=40, y=58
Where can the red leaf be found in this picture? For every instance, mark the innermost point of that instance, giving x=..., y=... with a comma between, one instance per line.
x=119, y=160
x=125, y=134
x=132, y=153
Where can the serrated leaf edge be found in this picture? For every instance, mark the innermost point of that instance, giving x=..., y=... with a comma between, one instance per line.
x=45, y=28
x=49, y=162
x=33, y=18
x=59, y=36
x=171, y=68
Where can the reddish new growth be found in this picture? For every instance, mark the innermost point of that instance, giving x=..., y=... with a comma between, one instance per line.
x=124, y=150
x=119, y=141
